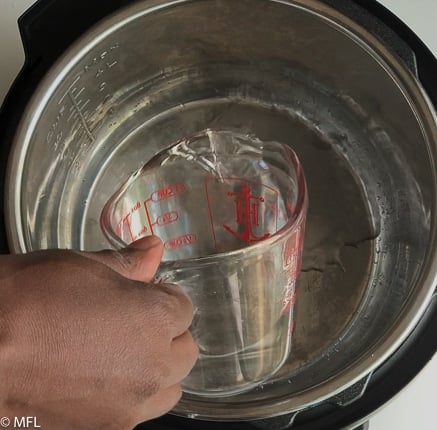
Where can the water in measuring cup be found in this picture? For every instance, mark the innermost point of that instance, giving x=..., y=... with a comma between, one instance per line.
x=219, y=202
x=207, y=194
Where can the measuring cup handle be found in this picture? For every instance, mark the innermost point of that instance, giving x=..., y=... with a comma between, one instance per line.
x=49, y=26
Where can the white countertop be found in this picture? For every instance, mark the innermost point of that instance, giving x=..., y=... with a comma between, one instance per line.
x=413, y=408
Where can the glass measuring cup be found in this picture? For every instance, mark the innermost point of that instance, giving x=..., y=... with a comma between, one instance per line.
x=230, y=210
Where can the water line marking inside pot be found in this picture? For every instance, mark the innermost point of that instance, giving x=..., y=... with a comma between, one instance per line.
x=69, y=89
x=81, y=117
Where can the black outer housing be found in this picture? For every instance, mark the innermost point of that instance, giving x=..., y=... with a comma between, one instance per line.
x=50, y=26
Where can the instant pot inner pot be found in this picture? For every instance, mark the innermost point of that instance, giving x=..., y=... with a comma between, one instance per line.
x=281, y=72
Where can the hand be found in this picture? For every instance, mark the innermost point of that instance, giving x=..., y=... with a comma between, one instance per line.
x=86, y=342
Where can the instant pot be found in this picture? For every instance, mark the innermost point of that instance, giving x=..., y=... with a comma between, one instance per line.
x=345, y=83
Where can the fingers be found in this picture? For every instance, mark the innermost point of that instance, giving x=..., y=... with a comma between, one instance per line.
x=179, y=308
x=145, y=243
x=149, y=251
x=184, y=353
x=138, y=262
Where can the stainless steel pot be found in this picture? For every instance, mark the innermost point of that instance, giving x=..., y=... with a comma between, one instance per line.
x=291, y=71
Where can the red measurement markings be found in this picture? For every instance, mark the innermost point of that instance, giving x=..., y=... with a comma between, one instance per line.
x=119, y=228
x=246, y=207
x=127, y=223
x=292, y=251
x=289, y=299
x=247, y=214
x=167, y=218
x=291, y=264
x=292, y=327
x=168, y=191
x=290, y=254
x=142, y=232
x=171, y=190
x=180, y=241
x=135, y=207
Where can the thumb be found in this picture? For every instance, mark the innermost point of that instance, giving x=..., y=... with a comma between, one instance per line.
x=138, y=262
